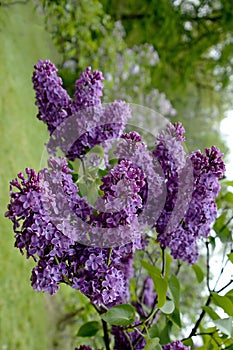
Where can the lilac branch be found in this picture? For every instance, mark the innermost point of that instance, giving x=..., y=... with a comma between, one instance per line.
x=193, y=331
x=106, y=335
x=207, y=265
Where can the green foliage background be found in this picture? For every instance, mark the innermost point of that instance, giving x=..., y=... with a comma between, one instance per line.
x=24, y=316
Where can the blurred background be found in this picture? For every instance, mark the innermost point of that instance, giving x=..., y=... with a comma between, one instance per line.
x=173, y=56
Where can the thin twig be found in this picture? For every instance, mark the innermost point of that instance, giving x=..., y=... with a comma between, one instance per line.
x=129, y=340
x=208, y=265
x=223, y=267
x=228, y=284
x=178, y=267
x=106, y=335
x=193, y=331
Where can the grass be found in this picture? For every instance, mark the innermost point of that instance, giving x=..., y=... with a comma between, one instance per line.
x=24, y=318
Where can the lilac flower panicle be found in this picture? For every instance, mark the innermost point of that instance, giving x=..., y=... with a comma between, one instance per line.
x=88, y=89
x=76, y=125
x=202, y=210
x=54, y=103
x=152, y=193
x=103, y=278
x=52, y=100
x=171, y=157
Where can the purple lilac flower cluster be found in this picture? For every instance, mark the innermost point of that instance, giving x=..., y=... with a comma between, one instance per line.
x=88, y=89
x=207, y=169
x=153, y=193
x=53, y=102
x=76, y=125
x=101, y=274
x=69, y=239
x=126, y=342
x=170, y=155
x=176, y=345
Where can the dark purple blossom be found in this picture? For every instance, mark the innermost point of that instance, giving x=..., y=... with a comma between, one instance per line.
x=170, y=154
x=88, y=89
x=53, y=102
x=76, y=125
x=176, y=345
x=207, y=168
x=127, y=340
x=38, y=201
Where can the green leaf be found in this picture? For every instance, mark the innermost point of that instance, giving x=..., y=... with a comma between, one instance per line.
x=120, y=315
x=230, y=257
x=70, y=165
x=174, y=287
x=228, y=183
x=161, y=289
x=212, y=242
x=168, y=264
x=88, y=329
x=222, y=231
x=229, y=294
x=160, y=282
x=168, y=307
x=219, y=223
x=198, y=272
x=154, y=331
x=152, y=344
x=224, y=302
x=188, y=342
x=89, y=190
x=102, y=173
x=228, y=197
x=211, y=312
x=75, y=177
x=225, y=325
x=165, y=333
x=175, y=317
x=96, y=150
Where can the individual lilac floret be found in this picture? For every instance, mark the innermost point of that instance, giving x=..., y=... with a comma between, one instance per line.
x=52, y=100
x=176, y=345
